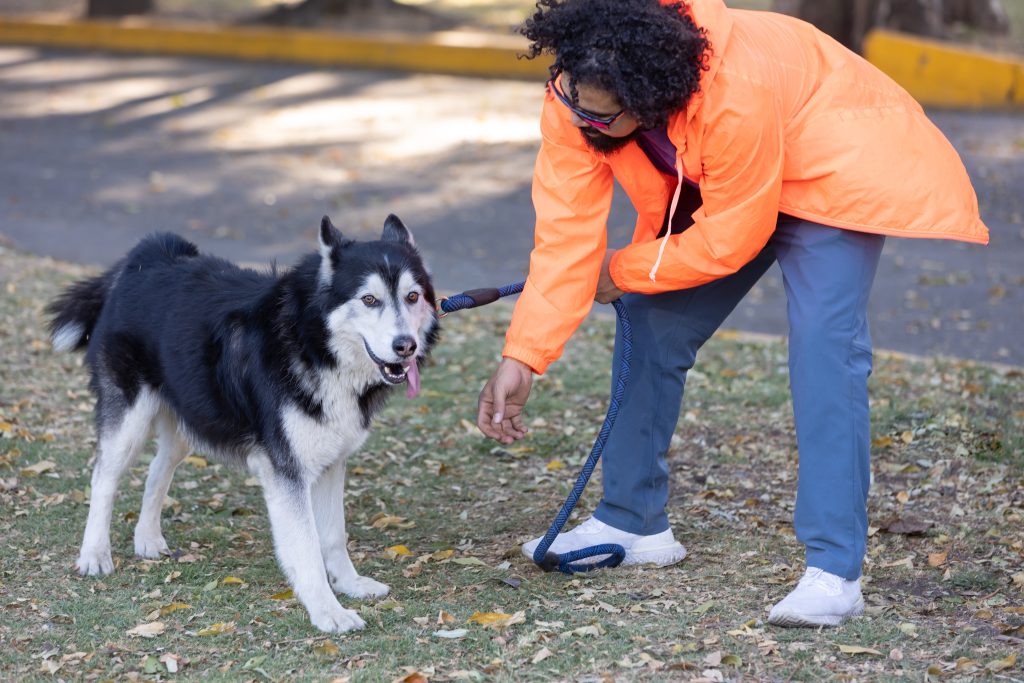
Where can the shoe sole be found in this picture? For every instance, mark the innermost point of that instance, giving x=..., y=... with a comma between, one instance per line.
x=662, y=556
x=796, y=620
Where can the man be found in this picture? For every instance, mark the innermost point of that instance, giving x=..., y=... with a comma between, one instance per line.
x=742, y=138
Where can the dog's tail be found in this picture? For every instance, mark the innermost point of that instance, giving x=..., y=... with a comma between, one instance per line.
x=74, y=313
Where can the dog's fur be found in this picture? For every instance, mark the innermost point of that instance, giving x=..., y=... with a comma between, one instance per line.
x=280, y=372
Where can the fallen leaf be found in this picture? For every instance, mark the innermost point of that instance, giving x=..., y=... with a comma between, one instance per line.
x=541, y=655
x=171, y=661
x=398, y=551
x=703, y=607
x=38, y=468
x=1002, y=664
x=555, y=465
x=937, y=559
x=196, y=461
x=283, y=595
x=384, y=521
x=173, y=607
x=497, y=620
x=232, y=581
x=326, y=649
x=858, y=650
x=469, y=562
x=217, y=629
x=908, y=526
x=150, y=630
x=453, y=633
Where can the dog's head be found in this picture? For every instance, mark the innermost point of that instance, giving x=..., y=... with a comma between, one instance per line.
x=379, y=301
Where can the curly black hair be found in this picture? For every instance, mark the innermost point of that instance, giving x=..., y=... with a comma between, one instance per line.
x=650, y=55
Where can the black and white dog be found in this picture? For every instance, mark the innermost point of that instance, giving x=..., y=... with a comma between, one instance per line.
x=281, y=373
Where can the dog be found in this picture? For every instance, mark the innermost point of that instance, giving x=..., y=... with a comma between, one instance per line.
x=281, y=373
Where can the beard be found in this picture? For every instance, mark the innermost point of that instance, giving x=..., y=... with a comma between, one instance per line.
x=605, y=144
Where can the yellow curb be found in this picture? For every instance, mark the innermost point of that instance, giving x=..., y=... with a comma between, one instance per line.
x=445, y=52
x=944, y=75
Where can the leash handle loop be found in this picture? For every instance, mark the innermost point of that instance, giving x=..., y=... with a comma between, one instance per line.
x=568, y=563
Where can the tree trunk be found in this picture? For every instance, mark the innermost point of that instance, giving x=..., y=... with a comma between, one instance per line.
x=845, y=20
x=118, y=8
x=985, y=15
x=848, y=21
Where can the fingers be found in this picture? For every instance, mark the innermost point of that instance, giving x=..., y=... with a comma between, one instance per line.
x=498, y=417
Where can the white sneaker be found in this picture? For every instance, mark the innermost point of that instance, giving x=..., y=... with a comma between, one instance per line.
x=660, y=550
x=820, y=599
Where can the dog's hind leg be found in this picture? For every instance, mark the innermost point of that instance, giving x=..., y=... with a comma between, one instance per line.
x=297, y=546
x=329, y=508
x=121, y=439
x=171, y=450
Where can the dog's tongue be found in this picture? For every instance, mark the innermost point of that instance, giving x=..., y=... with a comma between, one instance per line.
x=412, y=376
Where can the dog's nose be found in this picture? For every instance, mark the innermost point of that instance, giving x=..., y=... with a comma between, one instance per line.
x=404, y=346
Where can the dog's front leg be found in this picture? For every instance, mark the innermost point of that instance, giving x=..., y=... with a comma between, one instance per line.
x=298, y=547
x=329, y=509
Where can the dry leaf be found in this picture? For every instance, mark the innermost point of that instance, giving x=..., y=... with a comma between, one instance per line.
x=196, y=461
x=453, y=634
x=445, y=618
x=541, y=655
x=555, y=465
x=469, y=561
x=442, y=555
x=171, y=662
x=1002, y=664
x=326, y=649
x=497, y=620
x=232, y=581
x=937, y=559
x=38, y=468
x=173, y=607
x=384, y=521
x=858, y=650
x=908, y=526
x=150, y=630
x=217, y=629
x=398, y=551
x=283, y=595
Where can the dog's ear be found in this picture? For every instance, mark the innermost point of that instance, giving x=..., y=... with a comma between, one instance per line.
x=330, y=246
x=395, y=230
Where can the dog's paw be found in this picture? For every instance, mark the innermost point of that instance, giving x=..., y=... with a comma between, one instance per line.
x=361, y=587
x=150, y=547
x=95, y=562
x=335, y=619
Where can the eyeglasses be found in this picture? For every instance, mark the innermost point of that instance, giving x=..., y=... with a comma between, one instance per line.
x=602, y=122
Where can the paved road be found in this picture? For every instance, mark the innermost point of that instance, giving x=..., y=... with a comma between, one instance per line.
x=97, y=150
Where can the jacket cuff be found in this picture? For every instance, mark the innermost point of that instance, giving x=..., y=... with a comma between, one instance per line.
x=534, y=360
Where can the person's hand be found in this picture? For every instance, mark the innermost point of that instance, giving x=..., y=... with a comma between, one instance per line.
x=607, y=292
x=500, y=408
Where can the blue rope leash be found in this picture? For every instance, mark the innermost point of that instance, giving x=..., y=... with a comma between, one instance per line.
x=568, y=563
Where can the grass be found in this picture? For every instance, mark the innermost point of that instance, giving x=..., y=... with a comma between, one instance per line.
x=945, y=591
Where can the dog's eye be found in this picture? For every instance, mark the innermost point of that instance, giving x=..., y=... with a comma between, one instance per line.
x=370, y=300
x=412, y=297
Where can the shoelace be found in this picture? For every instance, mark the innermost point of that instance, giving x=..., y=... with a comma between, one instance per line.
x=819, y=578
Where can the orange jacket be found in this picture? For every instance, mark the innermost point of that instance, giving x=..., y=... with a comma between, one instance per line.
x=787, y=120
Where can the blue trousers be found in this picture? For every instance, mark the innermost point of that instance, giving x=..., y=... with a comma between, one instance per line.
x=827, y=273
